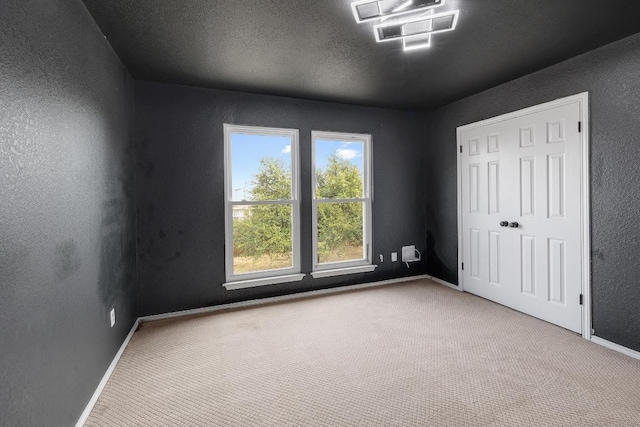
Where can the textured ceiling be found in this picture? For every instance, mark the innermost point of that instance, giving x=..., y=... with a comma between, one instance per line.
x=315, y=50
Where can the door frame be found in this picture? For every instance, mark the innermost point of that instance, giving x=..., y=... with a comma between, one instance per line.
x=585, y=193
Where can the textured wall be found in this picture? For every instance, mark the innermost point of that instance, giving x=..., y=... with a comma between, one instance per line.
x=179, y=146
x=67, y=214
x=611, y=74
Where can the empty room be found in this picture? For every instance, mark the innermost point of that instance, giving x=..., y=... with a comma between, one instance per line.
x=319, y=213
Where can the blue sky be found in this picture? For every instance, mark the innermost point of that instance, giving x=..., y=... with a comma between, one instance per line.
x=247, y=150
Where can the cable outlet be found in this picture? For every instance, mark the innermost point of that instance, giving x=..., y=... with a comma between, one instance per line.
x=112, y=317
x=410, y=254
x=394, y=256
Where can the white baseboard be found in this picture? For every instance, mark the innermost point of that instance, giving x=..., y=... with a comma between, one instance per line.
x=270, y=300
x=445, y=283
x=617, y=347
x=107, y=375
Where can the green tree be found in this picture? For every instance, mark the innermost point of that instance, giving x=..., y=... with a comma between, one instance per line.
x=266, y=229
x=339, y=224
x=272, y=181
x=341, y=179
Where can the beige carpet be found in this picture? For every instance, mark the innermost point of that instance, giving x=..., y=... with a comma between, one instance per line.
x=414, y=354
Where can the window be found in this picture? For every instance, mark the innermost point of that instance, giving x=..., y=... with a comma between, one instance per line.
x=262, y=207
x=341, y=203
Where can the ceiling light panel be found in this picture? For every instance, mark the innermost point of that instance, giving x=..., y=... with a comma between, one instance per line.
x=370, y=10
x=416, y=42
x=416, y=25
x=411, y=21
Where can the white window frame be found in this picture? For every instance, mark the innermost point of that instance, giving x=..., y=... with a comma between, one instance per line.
x=263, y=277
x=353, y=266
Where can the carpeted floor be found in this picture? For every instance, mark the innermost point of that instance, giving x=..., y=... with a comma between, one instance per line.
x=412, y=354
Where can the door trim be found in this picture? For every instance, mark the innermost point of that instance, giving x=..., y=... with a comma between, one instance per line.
x=585, y=194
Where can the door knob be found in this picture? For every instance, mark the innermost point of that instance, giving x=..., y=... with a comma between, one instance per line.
x=504, y=223
x=514, y=225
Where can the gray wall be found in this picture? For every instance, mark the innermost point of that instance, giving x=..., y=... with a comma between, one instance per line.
x=179, y=146
x=611, y=75
x=67, y=182
x=67, y=214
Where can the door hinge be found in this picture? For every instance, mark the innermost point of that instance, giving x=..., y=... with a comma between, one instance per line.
x=581, y=299
x=579, y=126
x=461, y=149
x=463, y=265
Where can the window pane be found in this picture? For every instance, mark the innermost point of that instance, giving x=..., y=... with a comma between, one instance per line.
x=340, y=231
x=339, y=169
x=261, y=238
x=260, y=167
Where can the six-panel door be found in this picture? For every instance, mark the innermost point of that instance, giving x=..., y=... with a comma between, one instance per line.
x=524, y=170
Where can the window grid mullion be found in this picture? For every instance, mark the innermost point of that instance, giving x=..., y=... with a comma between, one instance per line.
x=341, y=200
x=262, y=202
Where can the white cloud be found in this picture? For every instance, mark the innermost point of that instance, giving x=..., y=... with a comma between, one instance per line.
x=286, y=149
x=346, y=153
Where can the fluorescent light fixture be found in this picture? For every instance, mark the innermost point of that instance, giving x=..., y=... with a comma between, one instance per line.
x=371, y=10
x=416, y=42
x=403, y=6
x=415, y=26
x=412, y=21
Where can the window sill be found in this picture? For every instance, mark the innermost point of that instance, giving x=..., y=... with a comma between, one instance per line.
x=243, y=284
x=343, y=271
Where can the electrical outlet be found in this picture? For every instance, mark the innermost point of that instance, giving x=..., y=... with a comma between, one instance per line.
x=394, y=256
x=381, y=258
x=112, y=317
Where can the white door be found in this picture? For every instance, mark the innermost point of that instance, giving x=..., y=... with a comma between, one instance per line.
x=521, y=213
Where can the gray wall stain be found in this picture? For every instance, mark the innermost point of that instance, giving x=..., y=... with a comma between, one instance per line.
x=66, y=259
x=611, y=75
x=66, y=145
